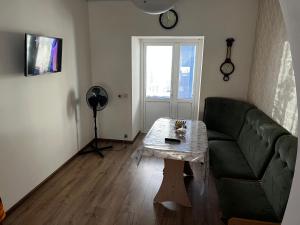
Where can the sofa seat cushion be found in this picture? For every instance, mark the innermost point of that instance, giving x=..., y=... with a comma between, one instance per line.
x=244, y=199
x=215, y=135
x=227, y=160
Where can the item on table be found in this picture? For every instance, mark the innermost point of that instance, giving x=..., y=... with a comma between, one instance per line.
x=180, y=131
x=172, y=140
x=180, y=124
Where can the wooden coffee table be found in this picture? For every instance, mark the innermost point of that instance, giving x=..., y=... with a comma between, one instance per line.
x=193, y=148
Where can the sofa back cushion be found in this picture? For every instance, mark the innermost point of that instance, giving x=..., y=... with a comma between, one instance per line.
x=225, y=115
x=257, y=140
x=278, y=177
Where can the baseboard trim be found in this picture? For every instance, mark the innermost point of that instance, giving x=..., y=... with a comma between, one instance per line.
x=136, y=136
x=22, y=200
x=120, y=141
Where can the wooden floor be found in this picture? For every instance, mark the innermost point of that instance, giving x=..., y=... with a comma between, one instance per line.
x=114, y=191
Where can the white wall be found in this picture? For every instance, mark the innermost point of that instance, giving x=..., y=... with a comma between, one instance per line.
x=44, y=120
x=291, y=14
x=272, y=82
x=113, y=23
x=135, y=85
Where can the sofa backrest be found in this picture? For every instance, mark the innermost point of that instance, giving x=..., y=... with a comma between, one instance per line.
x=257, y=140
x=225, y=115
x=278, y=177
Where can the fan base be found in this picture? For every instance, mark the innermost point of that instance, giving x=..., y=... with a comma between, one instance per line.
x=95, y=150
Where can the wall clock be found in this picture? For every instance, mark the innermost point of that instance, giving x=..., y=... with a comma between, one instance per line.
x=169, y=19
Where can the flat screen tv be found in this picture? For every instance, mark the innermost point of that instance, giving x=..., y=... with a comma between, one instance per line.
x=43, y=55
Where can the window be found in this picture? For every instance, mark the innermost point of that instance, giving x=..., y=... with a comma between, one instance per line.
x=158, y=71
x=186, y=72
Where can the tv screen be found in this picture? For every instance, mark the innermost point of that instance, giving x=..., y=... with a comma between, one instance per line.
x=42, y=55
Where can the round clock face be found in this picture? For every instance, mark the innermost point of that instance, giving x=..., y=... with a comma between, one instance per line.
x=169, y=19
x=227, y=68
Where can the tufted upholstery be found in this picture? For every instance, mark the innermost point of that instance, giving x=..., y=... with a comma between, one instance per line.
x=225, y=116
x=278, y=177
x=265, y=200
x=253, y=159
x=257, y=140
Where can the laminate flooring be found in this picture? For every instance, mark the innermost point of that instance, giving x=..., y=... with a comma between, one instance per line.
x=90, y=190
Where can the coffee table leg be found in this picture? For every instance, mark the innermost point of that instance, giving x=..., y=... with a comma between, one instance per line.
x=172, y=187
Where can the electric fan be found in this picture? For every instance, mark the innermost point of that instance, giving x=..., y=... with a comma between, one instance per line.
x=97, y=99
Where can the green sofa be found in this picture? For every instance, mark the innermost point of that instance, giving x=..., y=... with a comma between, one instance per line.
x=224, y=118
x=252, y=159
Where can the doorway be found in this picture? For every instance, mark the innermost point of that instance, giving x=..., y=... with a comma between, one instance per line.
x=171, y=72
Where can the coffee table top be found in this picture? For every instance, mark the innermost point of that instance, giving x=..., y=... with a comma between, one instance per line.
x=193, y=146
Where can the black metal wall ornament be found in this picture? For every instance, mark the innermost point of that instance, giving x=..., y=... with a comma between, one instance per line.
x=227, y=68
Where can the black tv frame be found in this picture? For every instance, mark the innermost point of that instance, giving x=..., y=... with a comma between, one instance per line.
x=59, y=55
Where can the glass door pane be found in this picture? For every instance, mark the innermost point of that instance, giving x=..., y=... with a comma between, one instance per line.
x=159, y=71
x=186, y=72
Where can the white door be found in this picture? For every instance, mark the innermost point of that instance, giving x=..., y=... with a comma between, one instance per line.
x=171, y=79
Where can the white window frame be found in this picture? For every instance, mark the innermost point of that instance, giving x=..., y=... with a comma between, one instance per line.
x=175, y=41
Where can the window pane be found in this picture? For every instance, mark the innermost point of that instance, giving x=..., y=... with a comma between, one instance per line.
x=186, y=71
x=158, y=71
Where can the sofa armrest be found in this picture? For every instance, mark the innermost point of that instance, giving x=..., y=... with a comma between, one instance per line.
x=238, y=221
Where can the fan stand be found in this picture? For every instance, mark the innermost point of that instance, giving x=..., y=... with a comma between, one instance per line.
x=94, y=145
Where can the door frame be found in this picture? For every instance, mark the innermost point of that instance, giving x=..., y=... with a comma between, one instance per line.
x=199, y=40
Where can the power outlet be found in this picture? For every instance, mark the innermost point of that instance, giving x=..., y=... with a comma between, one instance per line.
x=125, y=136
